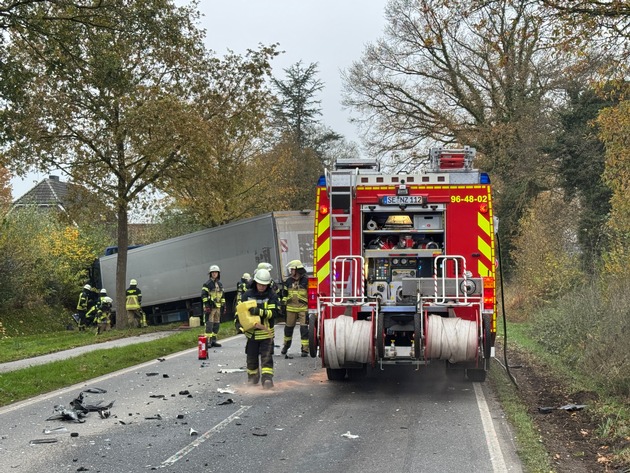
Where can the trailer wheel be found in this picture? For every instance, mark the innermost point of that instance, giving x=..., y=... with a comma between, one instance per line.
x=313, y=339
x=336, y=374
x=380, y=336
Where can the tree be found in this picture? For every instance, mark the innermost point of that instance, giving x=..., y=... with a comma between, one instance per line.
x=300, y=132
x=228, y=178
x=33, y=17
x=580, y=156
x=297, y=110
x=479, y=73
x=5, y=190
x=115, y=107
x=614, y=126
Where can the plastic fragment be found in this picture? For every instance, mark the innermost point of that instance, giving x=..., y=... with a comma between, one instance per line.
x=193, y=432
x=55, y=430
x=227, y=401
x=47, y=440
x=348, y=435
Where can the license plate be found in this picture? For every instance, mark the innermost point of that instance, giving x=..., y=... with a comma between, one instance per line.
x=403, y=200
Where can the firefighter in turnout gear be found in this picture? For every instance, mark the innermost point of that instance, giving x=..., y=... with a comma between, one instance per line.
x=241, y=287
x=103, y=314
x=259, y=347
x=83, y=305
x=213, y=301
x=133, y=304
x=295, y=298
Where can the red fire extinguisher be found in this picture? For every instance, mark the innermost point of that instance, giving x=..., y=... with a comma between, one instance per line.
x=202, y=349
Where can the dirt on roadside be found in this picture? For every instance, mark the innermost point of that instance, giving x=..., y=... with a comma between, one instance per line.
x=568, y=434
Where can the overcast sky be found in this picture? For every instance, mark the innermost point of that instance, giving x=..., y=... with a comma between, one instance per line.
x=332, y=33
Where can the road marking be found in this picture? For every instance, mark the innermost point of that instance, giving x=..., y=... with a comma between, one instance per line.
x=496, y=456
x=201, y=439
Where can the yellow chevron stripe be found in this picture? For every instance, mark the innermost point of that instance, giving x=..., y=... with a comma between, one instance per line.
x=323, y=250
x=483, y=269
x=323, y=225
x=323, y=272
x=483, y=223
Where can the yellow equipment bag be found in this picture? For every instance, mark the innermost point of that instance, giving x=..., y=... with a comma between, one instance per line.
x=247, y=320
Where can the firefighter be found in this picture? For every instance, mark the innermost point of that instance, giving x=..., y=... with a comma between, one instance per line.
x=259, y=347
x=295, y=300
x=241, y=287
x=213, y=300
x=267, y=267
x=133, y=304
x=103, y=314
x=103, y=294
x=83, y=305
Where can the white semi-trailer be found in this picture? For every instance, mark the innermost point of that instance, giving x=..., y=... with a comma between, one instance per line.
x=170, y=273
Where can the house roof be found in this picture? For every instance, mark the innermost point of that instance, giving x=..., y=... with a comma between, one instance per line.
x=50, y=192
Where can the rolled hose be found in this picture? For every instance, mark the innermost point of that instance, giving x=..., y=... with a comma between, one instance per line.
x=346, y=340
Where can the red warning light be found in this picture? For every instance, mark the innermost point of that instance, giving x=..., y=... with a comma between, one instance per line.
x=323, y=210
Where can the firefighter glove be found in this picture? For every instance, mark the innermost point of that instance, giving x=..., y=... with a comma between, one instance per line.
x=207, y=310
x=254, y=311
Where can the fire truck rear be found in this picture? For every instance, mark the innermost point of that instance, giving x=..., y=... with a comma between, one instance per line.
x=404, y=269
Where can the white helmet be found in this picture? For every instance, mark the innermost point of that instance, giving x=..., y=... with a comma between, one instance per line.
x=133, y=282
x=213, y=268
x=246, y=276
x=295, y=264
x=88, y=287
x=103, y=291
x=266, y=266
x=262, y=276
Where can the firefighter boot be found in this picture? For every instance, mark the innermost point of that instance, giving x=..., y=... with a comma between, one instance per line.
x=253, y=378
x=215, y=330
x=267, y=383
x=285, y=348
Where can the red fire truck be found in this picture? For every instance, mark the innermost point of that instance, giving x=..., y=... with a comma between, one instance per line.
x=404, y=268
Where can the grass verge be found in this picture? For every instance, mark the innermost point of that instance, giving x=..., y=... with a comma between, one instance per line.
x=23, y=384
x=531, y=450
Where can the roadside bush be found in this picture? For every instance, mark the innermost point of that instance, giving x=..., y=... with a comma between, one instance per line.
x=546, y=251
x=588, y=329
x=43, y=262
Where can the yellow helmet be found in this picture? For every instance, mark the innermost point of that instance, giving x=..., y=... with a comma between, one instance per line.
x=295, y=264
x=266, y=266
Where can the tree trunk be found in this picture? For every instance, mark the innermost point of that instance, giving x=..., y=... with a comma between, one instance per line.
x=121, y=266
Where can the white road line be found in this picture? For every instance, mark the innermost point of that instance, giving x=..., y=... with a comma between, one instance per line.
x=496, y=456
x=201, y=439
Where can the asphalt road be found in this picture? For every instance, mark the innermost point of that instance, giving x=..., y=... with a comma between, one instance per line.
x=182, y=414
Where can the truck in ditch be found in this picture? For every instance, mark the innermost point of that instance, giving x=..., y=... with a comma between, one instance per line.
x=170, y=273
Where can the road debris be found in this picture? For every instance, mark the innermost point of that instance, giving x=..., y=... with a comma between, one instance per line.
x=567, y=407
x=348, y=435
